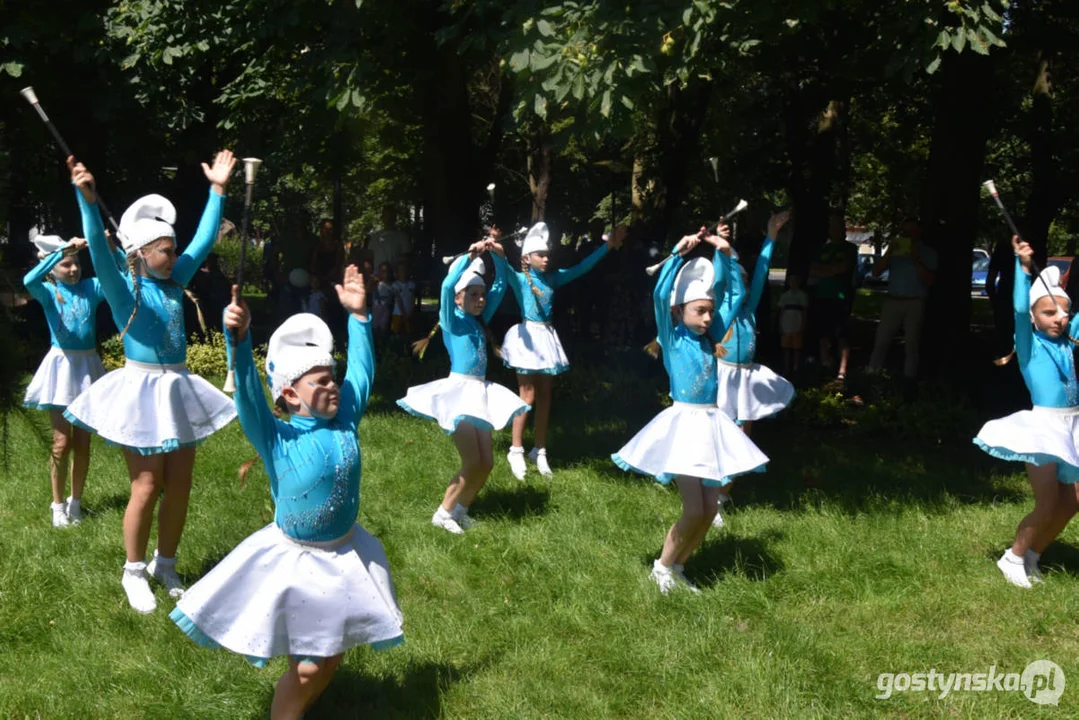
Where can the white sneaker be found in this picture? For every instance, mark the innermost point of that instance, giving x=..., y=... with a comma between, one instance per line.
x=1015, y=572
x=137, y=587
x=679, y=572
x=516, y=458
x=460, y=514
x=662, y=576
x=59, y=515
x=539, y=456
x=444, y=520
x=74, y=511
x=717, y=521
x=1031, y=566
x=164, y=571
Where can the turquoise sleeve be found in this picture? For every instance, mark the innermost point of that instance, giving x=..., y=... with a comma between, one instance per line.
x=360, y=373
x=562, y=277
x=35, y=279
x=195, y=255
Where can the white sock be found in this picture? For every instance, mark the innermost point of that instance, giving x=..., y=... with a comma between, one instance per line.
x=1011, y=557
x=443, y=513
x=57, y=506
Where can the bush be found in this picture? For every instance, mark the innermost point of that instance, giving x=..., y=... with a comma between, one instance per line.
x=228, y=254
x=203, y=358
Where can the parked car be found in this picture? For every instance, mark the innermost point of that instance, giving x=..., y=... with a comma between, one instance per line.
x=979, y=272
x=1065, y=265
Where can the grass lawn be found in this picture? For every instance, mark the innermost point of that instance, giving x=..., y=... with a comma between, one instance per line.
x=867, y=548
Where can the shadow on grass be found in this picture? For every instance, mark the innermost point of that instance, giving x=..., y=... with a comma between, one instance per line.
x=515, y=503
x=107, y=504
x=1059, y=557
x=724, y=554
x=354, y=694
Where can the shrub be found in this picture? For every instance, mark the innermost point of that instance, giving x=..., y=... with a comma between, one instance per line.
x=203, y=358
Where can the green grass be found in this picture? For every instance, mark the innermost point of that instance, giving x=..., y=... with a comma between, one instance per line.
x=859, y=552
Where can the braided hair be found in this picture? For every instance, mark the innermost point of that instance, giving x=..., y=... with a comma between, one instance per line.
x=131, y=266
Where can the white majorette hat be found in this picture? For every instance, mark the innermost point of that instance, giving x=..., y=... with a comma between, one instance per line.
x=301, y=343
x=46, y=244
x=694, y=282
x=1038, y=290
x=473, y=275
x=149, y=218
x=536, y=239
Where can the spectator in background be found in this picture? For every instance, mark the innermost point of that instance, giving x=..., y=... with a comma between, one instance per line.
x=833, y=296
x=405, y=303
x=326, y=269
x=390, y=244
x=999, y=280
x=912, y=269
x=793, y=310
x=382, y=303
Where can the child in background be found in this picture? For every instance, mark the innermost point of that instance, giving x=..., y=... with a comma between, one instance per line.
x=793, y=309
x=404, y=301
x=69, y=368
x=382, y=305
x=693, y=443
x=466, y=405
x=1045, y=438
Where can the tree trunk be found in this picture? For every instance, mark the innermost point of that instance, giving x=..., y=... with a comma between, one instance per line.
x=829, y=158
x=450, y=186
x=1044, y=197
x=679, y=141
x=953, y=193
x=539, y=173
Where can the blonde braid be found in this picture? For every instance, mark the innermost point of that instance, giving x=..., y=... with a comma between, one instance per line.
x=535, y=290
x=135, y=283
x=198, y=309
x=55, y=288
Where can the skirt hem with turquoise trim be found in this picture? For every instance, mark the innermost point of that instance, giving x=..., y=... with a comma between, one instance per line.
x=203, y=640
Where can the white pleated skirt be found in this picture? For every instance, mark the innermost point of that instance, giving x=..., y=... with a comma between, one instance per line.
x=752, y=391
x=534, y=348
x=152, y=408
x=691, y=440
x=1040, y=436
x=61, y=377
x=464, y=399
x=275, y=595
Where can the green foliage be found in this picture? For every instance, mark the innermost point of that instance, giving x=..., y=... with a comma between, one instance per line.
x=843, y=561
x=206, y=358
x=228, y=253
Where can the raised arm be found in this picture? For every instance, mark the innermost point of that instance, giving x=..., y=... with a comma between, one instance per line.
x=561, y=277
x=498, y=288
x=114, y=284
x=1024, y=332
x=446, y=302
x=721, y=264
x=661, y=299
x=732, y=300
x=200, y=246
x=35, y=279
x=257, y=419
x=360, y=373
x=360, y=370
x=512, y=278
x=760, y=274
